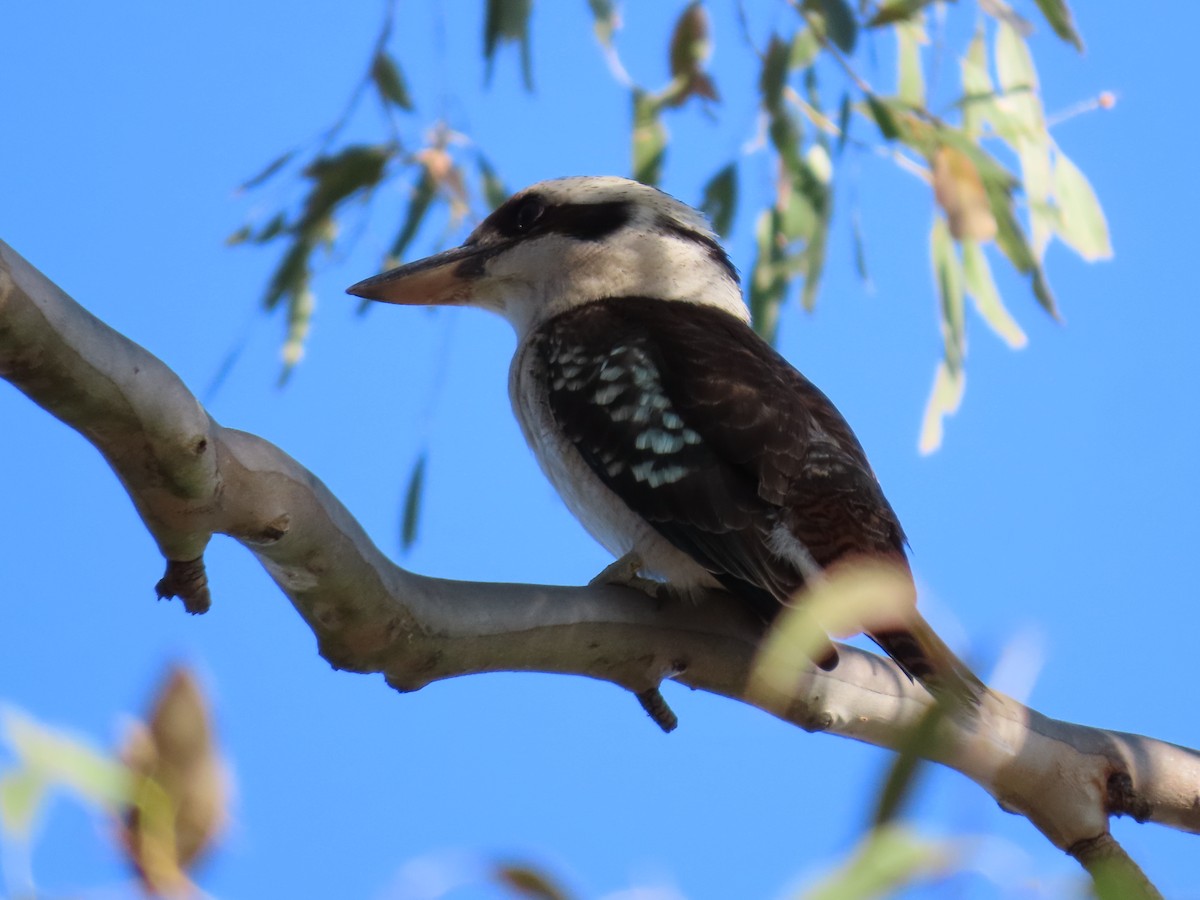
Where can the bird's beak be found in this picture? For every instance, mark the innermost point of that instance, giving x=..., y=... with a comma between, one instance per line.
x=443, y=279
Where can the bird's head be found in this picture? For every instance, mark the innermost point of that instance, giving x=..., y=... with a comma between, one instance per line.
x=563, y=243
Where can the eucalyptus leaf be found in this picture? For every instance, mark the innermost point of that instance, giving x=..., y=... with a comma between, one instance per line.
x=981, y=288
x=944, y=400
x=649, y=138
x=1082, y=225
x=389, y=81
x=720, y=199
x=412, y=504
x=1058, y=15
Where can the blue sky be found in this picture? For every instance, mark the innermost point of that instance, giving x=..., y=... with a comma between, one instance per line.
x=1059, y=514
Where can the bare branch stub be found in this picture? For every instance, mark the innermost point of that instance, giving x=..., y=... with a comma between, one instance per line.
x=187, y=580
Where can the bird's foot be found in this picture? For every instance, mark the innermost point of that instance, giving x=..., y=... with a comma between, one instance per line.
x=625, y=572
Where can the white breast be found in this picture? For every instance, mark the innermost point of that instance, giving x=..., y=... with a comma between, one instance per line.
x=602, y=512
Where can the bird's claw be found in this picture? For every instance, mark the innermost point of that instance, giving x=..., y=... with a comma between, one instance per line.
x=625, y=572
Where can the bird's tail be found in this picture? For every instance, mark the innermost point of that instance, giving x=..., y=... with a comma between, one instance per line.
x=923, y=655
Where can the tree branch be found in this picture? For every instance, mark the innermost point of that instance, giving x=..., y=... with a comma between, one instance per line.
x=190, y=478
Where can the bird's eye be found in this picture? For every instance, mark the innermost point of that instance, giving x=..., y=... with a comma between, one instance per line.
x=528, y=213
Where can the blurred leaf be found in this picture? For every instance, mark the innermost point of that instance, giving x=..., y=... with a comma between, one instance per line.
x=528, y=881
x=1082, y=225
x=1011, y=241
x=1058, y=14
x=291, y=275
x=917, y=745
x=389, y=81
x=272, y=168
x=649, y=138
x=944, y=400
x=841, y=25
x=299, y=320
x=1038, y=184
x=1019, y=83
x=338, y=177
x=845, y=107
x=805, y=47
x=179, y=802
x=48, y=758
x=897, y=11
x=959, y=190
x=910, y=79
x=720, y=199
x=508, y=20
x=604, y=20
x=977, y=277
x=768, y=282
x=871, y=594
x=418, y=206
x=948, y=274
x=860, y=251
x=412, y=504
x=494, y=191
x=888, y=859
x=979, y=96
x=882, y=113
x=21, y=795
x=690, y=42
x=774, y=73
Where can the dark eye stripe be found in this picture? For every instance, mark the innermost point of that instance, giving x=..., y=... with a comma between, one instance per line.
x=582, y=221
x=715, y=251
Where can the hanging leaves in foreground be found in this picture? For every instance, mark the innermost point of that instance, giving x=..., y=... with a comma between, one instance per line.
x=508, y=20
x=720, y=199
x=1081, y=223
x=649, y=138
x=389, y=81
x=412, y=504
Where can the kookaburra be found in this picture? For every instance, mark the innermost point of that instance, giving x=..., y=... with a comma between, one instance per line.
x=679, y=438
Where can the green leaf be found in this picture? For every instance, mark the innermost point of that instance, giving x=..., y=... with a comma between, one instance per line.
x=412, y=504
x=944, y=400
x=891, y=857
x=604, y=20
x=841, y=25
x=948, y=275
x=917, y=745
x=271, y=169
x=389, y=81
x=897, y=11
x=494, y=191
x=910, y=80
x=61, y=759
x=355, y=169
x=291, y=275
x=21, y=795
x=507, y=20
x=1019, y=82
x=1058, y=15
x=768, y=282
x=690, y=43
x=300, y=309
x=773, y=76
x=979, y=96
x=1011, y=241
x=529, y=881
x=649, y=138
x=805, y=47
x=720, y=199
x=422, y=197
x=845, y=107
x=1082, y=225
x=860, y=251
x=1037, y=182
x=882, y=113
x=981, y=287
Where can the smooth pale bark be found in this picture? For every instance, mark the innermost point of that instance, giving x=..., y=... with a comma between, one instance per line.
x=191, y=478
